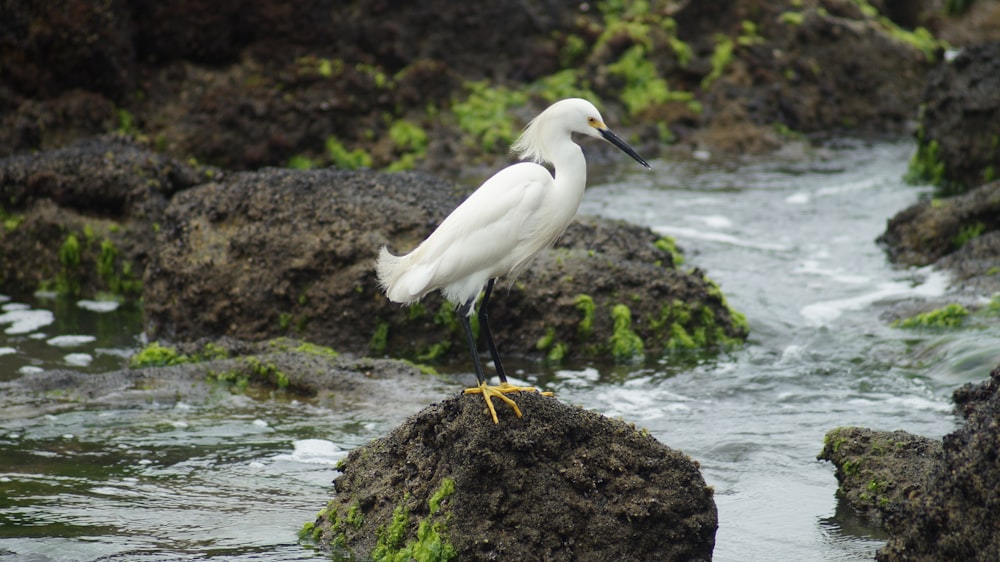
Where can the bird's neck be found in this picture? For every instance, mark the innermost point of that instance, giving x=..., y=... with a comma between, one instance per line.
x=569, y=167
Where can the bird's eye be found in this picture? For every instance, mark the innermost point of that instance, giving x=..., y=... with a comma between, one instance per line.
x=592, y=121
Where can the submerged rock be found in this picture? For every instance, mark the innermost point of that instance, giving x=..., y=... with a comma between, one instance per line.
x=561, y=483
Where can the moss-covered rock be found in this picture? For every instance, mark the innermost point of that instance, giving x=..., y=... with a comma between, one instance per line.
x=560, y=483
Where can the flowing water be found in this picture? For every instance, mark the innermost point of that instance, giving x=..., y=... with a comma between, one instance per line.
x=234, y=476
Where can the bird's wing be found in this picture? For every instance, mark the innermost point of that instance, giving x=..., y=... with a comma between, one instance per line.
x=486, y=233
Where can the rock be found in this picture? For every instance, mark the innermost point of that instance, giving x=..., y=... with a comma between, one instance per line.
x=807, y=70
x=197, y=371
x=560, y=483
x=259, y=82
x=879, y=471
x=958, y=140
x=283, y=252
x=956, y=516
x=957, y=233
x=82, y=219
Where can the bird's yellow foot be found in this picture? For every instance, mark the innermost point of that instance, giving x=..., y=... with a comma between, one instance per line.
x=500, y=392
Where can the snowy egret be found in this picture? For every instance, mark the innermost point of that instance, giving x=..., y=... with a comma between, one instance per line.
x=498, y=229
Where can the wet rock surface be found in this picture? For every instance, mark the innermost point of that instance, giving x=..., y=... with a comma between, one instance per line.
x=957, y=233
x=937, y=500
x=959, y=143
x=560, y=483
x=879, y=471
x=206, y=368
x=249, y=84
x=957, y=514
x=281, y=252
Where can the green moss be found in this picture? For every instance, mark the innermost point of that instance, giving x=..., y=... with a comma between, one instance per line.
x=669, y=245
x=485, y=115
x=926, y=165
x=626, y=345
x=547, y=340
x=949, y=316
x=407, y=136
x=721, y=57
x=68, y=278
x=355, y=517
x=562, y=84
x=346, y=159
x=643, y=85
x=210, y=352
x=968, y=232
x=585, y=304
x=430, y=544
x=920, y=38
x=126, y=122
x=119, y=282
x=314, y=349
x=791, y=18
x=380, y=338
x=445, y=491
x=156, y=355
x=268, y=372
x=301, y=162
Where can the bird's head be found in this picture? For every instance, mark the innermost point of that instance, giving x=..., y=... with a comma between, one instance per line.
x=572, y=115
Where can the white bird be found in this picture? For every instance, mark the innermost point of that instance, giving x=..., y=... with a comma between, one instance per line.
x=498, y=229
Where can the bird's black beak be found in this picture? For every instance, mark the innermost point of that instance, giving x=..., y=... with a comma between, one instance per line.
x=613, y=139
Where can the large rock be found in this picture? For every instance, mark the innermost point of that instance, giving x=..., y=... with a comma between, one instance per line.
x=960, y=234
x=958, y=139
x=281, y=252
x=82, y=219
x=878, y=471
x=561, y=483
x=957, y=515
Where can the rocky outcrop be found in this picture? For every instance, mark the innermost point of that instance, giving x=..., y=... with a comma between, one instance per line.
x=82, y=219
x=879, y=471
x=957, y=514
x=254, y=83
x=560, y=483
x=958, y=139
x=281, y=252
x=938, y=501
x=960, y=234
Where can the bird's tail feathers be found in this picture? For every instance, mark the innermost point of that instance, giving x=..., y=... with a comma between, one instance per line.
x=400, y=282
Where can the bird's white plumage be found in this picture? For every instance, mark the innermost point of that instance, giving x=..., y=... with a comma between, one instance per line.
x=508, y=220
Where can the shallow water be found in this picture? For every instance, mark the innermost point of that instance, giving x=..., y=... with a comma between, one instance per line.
x=792, y=245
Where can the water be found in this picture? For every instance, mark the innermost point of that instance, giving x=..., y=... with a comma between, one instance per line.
x=234, y=477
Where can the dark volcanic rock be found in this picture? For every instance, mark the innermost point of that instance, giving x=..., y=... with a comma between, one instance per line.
x=957, y=515
x=959, y=139
x=958, y=233
x=878, y=471
x=83, y=217
x=282, y=252
x=561, y=483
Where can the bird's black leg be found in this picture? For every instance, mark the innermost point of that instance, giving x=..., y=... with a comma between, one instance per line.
x=463, y=316
x=484, y=325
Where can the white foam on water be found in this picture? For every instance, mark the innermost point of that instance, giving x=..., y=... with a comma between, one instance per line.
x=98, y=306
x=695, y=234
x=313, y=451
x=824, y=312
x=79, y=359
x=70, y=340
x=24, y=320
